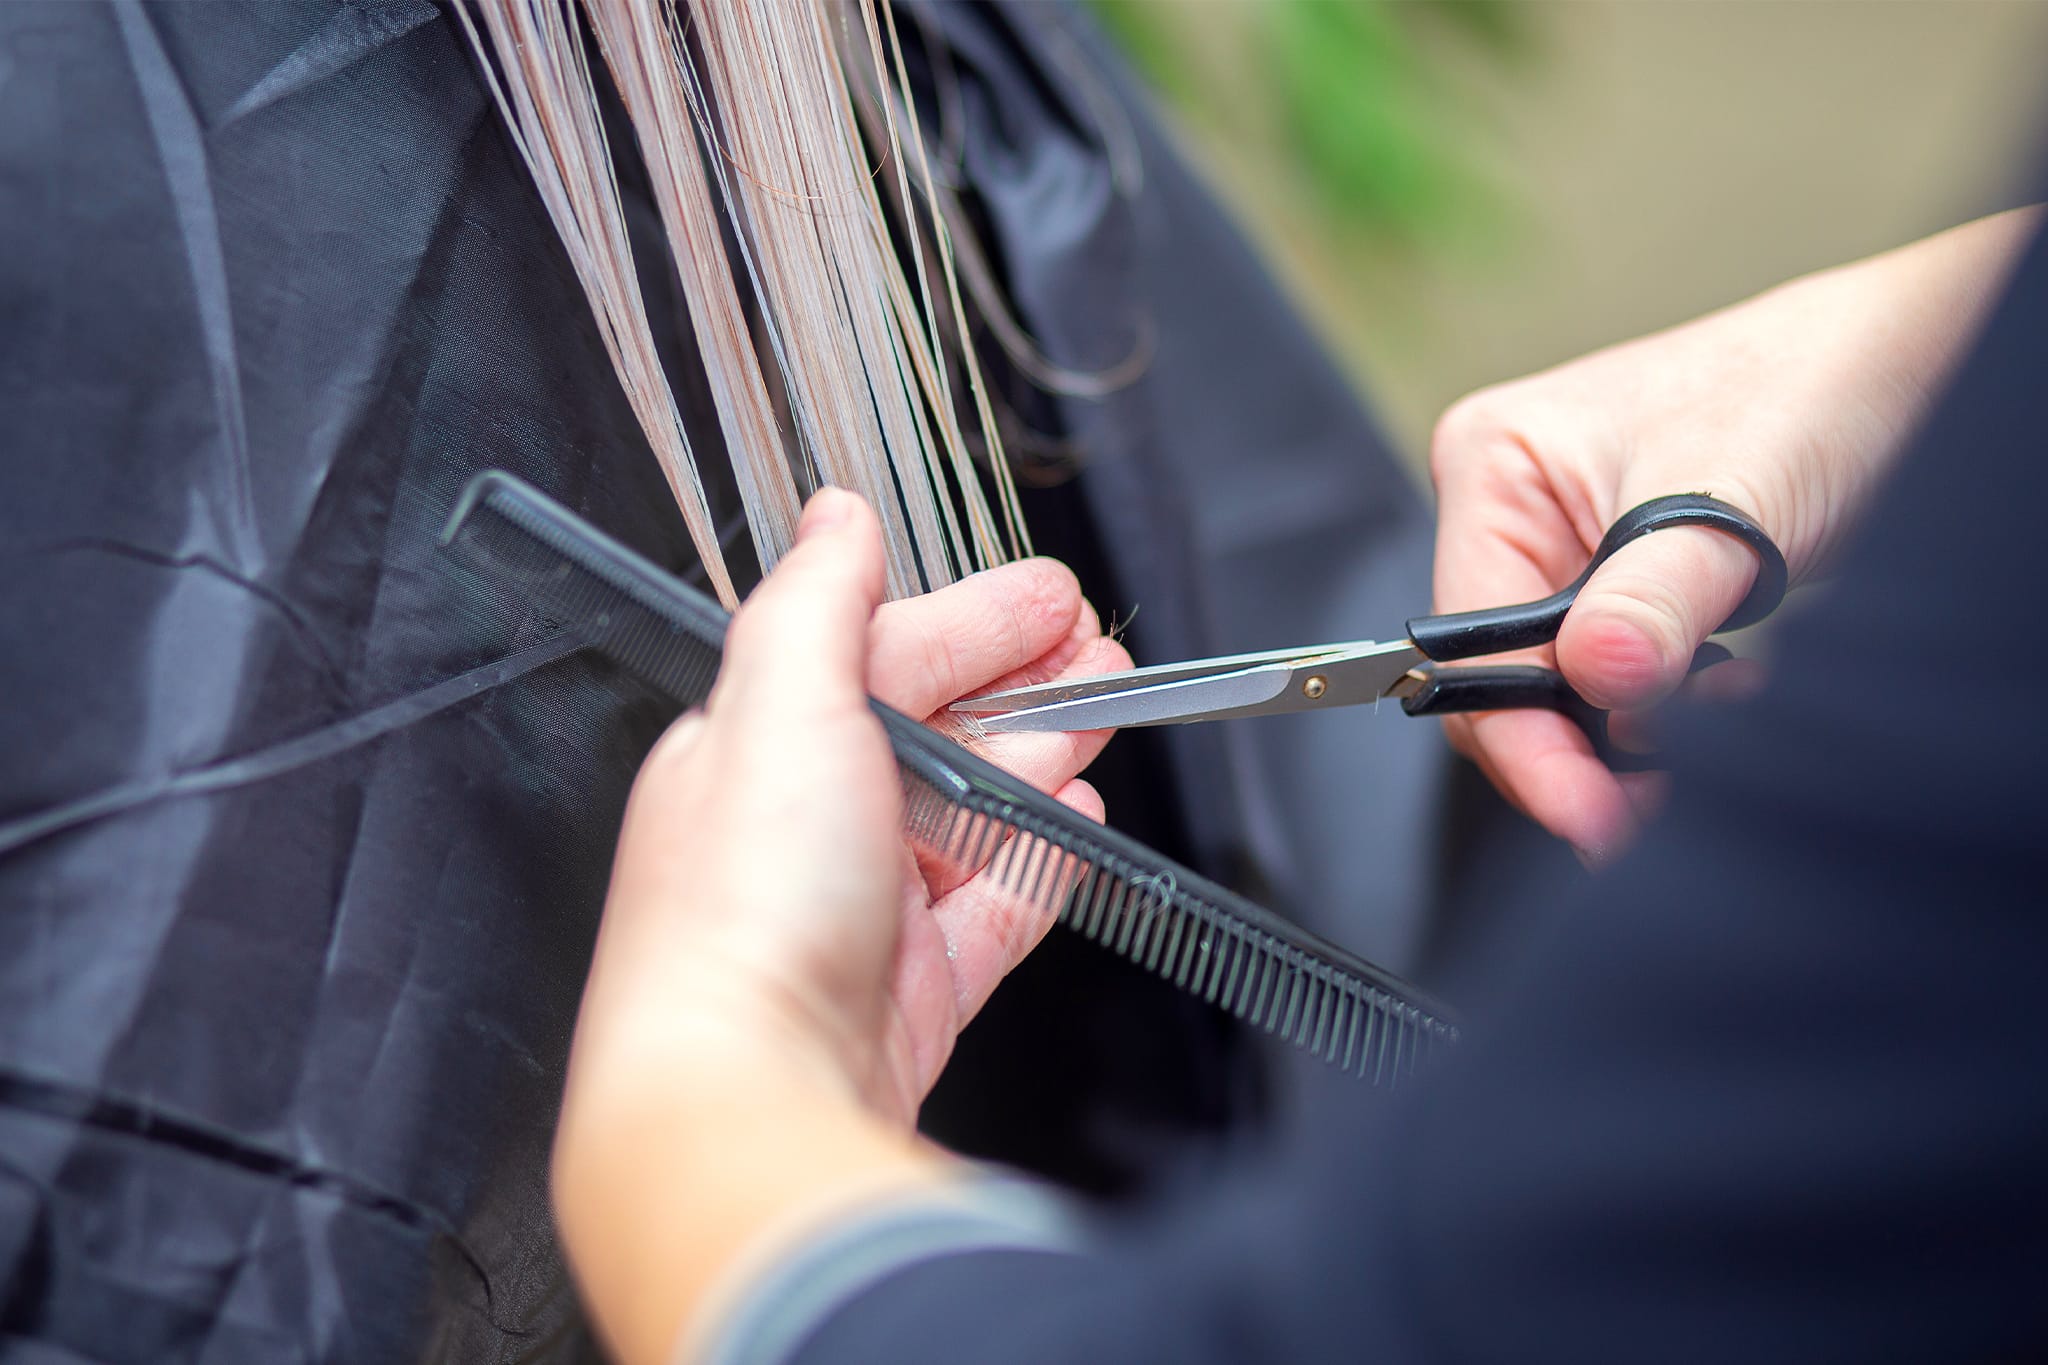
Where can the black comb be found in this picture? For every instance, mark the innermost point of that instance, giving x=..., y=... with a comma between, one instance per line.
x=540, y=560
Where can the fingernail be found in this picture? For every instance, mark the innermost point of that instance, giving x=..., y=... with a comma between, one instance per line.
x=828, y=508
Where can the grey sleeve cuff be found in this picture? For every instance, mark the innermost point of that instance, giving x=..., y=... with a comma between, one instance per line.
x=781, y=1310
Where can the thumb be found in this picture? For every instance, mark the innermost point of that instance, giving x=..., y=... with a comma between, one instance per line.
x=1630, y=636
x=798, y=646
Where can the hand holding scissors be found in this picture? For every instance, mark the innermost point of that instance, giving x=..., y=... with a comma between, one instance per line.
x=1366, y=672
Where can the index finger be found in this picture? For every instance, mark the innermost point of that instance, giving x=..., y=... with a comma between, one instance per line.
x=931, y=650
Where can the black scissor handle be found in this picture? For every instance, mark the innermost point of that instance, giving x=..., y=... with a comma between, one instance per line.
x=1496, y=630
x=1526, y=687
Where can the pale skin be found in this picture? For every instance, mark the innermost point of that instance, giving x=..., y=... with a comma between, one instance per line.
x=1790, y=406
x=778, y=982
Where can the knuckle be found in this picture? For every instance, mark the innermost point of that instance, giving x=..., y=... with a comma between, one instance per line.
x=1050, y=581
x=935, y=660
x=1466, y=428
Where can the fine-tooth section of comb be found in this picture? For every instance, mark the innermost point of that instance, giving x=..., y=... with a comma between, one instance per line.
x=538, y=558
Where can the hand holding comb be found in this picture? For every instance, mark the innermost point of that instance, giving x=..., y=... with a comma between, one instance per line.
x=532, y=555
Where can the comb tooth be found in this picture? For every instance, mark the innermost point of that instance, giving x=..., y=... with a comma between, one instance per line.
x=1131, y=908
x=1076, y=870
x=1188, y=929
x=993, y=833
x=1285, y=1002
x=1194, y=934
x=1342, y=1007
x=965, y=831
x=1258, y=1006
x=1179, y=958
x=1165, y=929
x=1113, y=914
x=1141, y=913
x=1236, y=953
x=1186, y=915
x=940, y=826
x=1374, y=1022
x=1322, y=1016
x=997, y=868
x=1152, y=926
x=1073, y=905
x=1025, y=858
x=1250, y=957
x=1164, y=922
x=1230, y=961
x=1358, y=1009
x=1300, y=1003
x=1030, y=870
x=1009, y=851
x=1207, y=978
x=1067, y=870
x=1031, y=866
x=1102, y=915
x=1284, y=987
x=1283, y=990
x=994, y=852
x=958, y=832
x=1145, y=942
x=1258, y=966
x=986, y=842
x=1098, y=901
x=1045, y=874
x=1311, y=995
x=1315, y=1012
x=1379, y=1066
x=1216, y=941
x=950, y=825
x=1105, y=887
x=1163, y=919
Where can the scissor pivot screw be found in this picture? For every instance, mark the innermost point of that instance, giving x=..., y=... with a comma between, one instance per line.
x=1315, y=686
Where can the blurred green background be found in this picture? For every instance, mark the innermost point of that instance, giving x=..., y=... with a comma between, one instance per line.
x=1461, y=191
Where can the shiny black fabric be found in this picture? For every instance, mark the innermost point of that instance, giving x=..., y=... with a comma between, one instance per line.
x=300, y=864
x=298, y=879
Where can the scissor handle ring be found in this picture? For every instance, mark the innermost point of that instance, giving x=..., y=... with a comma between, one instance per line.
x=1497, y=630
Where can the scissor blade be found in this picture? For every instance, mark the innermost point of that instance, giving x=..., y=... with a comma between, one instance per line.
x=1198, y=698
x=1135, y=679
x=1303, y=683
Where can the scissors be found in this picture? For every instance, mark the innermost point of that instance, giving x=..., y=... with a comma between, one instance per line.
x=1365, y=672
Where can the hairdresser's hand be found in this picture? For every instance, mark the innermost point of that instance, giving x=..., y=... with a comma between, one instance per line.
x=1789, y=406
x=761, y=875
x=776, y=983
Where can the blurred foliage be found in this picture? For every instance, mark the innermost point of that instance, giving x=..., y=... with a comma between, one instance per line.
x=1361, y=108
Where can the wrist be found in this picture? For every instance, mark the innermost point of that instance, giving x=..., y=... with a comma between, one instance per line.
x=694, y=1147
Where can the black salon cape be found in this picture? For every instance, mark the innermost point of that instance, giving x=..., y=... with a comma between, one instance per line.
x=300, y=865
x=1774, y=1090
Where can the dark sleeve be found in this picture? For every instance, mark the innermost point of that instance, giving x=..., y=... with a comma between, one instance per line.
x=1773, y=1089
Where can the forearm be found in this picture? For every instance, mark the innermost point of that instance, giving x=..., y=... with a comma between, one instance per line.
x=1903, y=320
x=1938, y=290
x=697, y=1160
